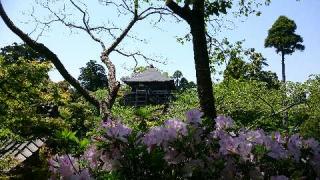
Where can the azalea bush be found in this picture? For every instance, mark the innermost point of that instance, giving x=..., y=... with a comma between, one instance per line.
x=191, y=149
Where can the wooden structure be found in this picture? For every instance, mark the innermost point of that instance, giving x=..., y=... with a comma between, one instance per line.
x=20, y=151
x=148, y=87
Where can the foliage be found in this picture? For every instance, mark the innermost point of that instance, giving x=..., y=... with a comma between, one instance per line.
x=140, y=69
x=26, y=89
x=181, y=82
x=310, y=127
x=251, y=103
x=244, y=64
x=282, y=36
x=93, y=76
x=6, y=163
x=188, y=150
x=15, y=51
x=25, y=85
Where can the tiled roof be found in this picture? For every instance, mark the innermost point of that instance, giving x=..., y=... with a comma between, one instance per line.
x=149, y=75
x=20, y=150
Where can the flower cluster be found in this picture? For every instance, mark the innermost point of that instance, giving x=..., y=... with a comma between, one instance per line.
x=67, y=167
x=190, y=149
x=116, y=130
x=164, y=134
x=194, y=116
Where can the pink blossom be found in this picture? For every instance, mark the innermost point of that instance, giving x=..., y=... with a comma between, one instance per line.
x=84, y=175
x=163, y=135
x=177, y=125
x=277, y=151
x=194, y=116
x=116, y=130
x=294, y=145
x=92, y=155
x=159, y=136
x=228, y=144
x=256, y=137
x=64, y=165
x=244, y=149
x=277, y=137
x=223, y=122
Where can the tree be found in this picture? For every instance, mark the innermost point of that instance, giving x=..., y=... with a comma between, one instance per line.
x=236, y=69
x=198, y=14
x=93, y=31
x=93, y=76
x=282, y=37
x=15, y=51
x=177, y=75
x=184, y=84
x=24, y=85
x=195, y=18
x=181, y=82
x=244, y=64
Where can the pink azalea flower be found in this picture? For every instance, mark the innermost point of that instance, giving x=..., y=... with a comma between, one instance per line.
x=84, y=175
x=177, y=125
x=294, y=145
x=116, y=130
x=223, y=122
x=194, y=116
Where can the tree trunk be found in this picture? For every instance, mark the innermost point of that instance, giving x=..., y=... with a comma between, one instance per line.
x=284, y=96
x=195, y=18
x=201, y=59
x=283, y=68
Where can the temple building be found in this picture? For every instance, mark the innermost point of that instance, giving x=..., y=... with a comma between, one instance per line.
x=148, y=87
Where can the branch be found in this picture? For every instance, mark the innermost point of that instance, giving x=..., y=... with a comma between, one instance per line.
x=85, y=21
x=183, y=12
x=153, y=10
x=137, y=54
x=288, y=107
x=265, y=101
x=49, y=55
x=122, y=36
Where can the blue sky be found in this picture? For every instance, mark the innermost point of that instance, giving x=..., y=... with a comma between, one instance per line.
x=75, y=49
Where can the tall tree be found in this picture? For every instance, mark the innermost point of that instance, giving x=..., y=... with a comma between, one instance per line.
x=199, y=15
x=283, y=38
x=93, y=76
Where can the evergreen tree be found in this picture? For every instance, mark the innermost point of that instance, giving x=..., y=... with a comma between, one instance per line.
x=282, y=37
x=93, y=76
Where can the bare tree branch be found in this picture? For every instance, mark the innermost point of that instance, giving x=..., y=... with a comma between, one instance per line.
x=85, y=21
x=137, y=55
x=49, y=55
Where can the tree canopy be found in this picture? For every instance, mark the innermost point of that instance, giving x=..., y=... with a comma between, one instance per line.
x=93, y=76
x=282, y=36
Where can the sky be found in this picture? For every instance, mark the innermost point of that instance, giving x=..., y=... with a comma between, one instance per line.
x=76, y=48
